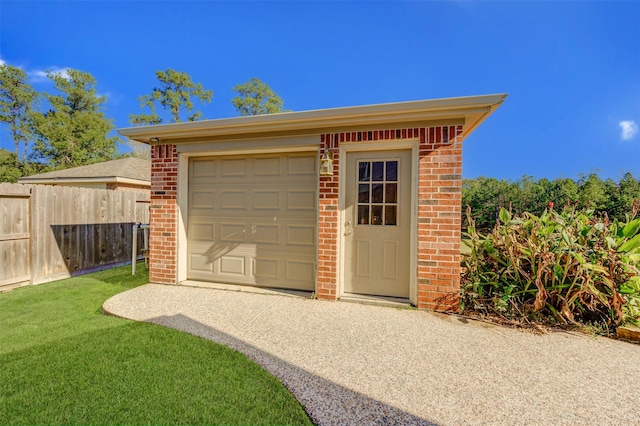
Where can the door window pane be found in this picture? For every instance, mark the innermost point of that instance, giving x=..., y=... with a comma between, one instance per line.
x=376, y=193
x=378, y=171
x=363, y=215
x=392, y=171
x=364, y=172
x=390, y=215
x=363, y=193
x=376, y=215
x=391, y=192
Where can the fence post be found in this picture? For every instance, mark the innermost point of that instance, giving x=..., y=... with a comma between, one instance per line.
x=134, y=248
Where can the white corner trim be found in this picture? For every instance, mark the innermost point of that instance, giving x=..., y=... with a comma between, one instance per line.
x=182, y=215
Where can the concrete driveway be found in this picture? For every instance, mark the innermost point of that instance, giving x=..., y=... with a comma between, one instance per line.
x=349, y=363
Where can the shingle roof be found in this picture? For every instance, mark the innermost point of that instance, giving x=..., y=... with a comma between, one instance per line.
x=128, y=168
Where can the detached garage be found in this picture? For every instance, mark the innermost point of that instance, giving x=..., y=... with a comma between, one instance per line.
x=346, y=202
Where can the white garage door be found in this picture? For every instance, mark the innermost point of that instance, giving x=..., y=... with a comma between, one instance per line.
x=252, y=220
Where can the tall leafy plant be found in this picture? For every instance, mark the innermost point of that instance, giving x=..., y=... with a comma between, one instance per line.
x=565, y=267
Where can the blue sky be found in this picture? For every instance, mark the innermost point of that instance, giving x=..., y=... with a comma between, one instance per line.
x=572, y=69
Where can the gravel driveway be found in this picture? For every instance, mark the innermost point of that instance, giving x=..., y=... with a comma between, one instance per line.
x=349, y=363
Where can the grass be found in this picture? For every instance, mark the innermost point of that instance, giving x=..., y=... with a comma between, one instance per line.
x=63, y=362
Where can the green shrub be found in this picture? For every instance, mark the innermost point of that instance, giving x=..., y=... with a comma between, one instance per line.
x=570, y=267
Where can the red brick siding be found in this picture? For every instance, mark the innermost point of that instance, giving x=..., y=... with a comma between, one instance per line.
x=328, y=228
x=163, y=215
x=439, y=209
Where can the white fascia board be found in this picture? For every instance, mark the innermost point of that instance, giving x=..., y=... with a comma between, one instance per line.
x=411, y=111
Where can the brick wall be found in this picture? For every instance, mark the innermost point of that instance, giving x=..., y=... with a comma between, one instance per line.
x=328, y=228
x=439, y=222
x=163, y=215
x=439, y=209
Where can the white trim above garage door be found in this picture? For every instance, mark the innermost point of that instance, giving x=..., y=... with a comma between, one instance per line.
x=252, y=219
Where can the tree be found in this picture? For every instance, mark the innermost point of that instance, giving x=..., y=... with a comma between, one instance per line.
x=74, y=131
x=531, y=195
x=174, y=95
x=138, y=149
x=9, y=166
x=621, y=196
x=11, y=169
x=592, y=192
x=256, y=97
x=563, y=191
x=17, y=98
x=486, y=196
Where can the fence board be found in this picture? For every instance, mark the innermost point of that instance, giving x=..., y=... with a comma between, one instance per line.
x=66, y=230
x=15, y=236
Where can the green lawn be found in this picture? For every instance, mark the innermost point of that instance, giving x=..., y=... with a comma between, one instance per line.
x=62, y=361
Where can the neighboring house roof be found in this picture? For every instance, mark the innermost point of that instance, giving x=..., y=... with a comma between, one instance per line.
x=467, y=111
x=130, y=170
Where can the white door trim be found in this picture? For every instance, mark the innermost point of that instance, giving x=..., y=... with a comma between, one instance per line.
x=413, y=145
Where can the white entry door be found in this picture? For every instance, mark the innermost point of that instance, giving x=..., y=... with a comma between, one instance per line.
x=377, y=223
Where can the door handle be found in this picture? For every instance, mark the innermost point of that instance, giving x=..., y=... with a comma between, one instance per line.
x=348, y=232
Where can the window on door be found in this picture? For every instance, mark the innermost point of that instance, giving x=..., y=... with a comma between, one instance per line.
x=378, y=193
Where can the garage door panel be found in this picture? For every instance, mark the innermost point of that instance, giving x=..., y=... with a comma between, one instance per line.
x=232, y=265
x=265, y=268
x=202, y=199
x=302, y=166
x=289, y=201
x=253, y=220
x=301, y=235
x=233, y=232
x=202, y=232
x=299, y=271
x=301, y=199
x=203, y=168
x=266, y=199
x=267, y=166
x=233, y=199
x=234, y=167
x=248, y=167
x=200, y=263
x=266, y=233
x=255, y=230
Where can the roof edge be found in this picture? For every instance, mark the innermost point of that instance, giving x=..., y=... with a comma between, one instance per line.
x=479, y=107
x=94, y=179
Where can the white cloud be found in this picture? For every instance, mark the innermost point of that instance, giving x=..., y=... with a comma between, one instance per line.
x=2, y=62
x=64, y=73
x=38, y=76
x=629, y=129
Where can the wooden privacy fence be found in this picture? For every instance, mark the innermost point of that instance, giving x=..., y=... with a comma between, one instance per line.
x=52, y=232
